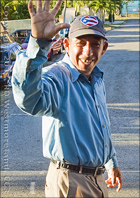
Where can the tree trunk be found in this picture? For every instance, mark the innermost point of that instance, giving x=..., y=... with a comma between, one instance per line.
x=64, y=18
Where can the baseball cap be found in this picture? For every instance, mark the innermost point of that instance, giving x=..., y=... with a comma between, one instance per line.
x=86, y=24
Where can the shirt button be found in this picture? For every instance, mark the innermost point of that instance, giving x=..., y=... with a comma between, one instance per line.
x=106, y=145
x=104, y=126
x=98, y=106
x=36, y=46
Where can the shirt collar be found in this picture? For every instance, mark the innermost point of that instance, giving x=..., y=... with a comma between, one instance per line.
x=74, y=72
x=97, y=72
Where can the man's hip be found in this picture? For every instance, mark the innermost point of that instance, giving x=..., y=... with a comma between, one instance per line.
x=64, y=182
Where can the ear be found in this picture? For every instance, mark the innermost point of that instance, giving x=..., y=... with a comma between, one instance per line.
x=105, y=47
x=66, y=44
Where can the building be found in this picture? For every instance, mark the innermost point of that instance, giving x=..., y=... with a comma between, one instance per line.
x=132, y=7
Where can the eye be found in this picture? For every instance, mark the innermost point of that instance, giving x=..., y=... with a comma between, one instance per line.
x=80, y=43
x=95, y=44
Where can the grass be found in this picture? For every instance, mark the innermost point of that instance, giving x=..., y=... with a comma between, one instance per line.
x=124, y=17
x=119, y=18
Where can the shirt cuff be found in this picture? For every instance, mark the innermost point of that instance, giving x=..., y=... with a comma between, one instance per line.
x=35, y=46
x=112, y=163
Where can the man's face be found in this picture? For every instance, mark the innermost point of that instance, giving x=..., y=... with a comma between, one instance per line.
x=85, y=52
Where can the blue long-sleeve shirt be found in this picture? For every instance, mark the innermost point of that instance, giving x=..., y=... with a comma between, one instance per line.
x=75, y=121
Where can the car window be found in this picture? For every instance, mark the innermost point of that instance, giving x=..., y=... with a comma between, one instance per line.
x=28, y=31
x=23, y=33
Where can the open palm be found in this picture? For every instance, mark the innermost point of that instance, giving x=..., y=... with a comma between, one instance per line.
x=43, y=22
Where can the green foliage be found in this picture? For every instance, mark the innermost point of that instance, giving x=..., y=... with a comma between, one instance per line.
x=18, y=9
x=22, y=11
x=52, y=4
x=4, y=8
x=14, y=9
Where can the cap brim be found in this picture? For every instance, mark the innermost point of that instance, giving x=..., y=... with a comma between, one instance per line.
x=85, y=32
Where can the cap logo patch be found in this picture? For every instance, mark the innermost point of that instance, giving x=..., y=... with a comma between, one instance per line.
x=89, y=21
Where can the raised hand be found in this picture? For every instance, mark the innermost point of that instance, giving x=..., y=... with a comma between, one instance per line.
x=43, y=22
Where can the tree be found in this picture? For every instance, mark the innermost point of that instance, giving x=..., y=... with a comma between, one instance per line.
x=13, y=9
x=100, y=6
x=5, y=9
x=22, y=11
x=52, y=4
x=112, y=6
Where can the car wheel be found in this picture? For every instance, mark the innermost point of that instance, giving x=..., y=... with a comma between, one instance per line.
x=51, y=55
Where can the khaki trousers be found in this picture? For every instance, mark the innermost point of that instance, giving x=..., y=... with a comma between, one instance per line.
x=65, y=183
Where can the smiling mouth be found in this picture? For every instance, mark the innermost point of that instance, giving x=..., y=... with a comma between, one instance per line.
x=86, y=62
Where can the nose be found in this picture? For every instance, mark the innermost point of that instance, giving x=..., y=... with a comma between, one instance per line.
x=88, y=50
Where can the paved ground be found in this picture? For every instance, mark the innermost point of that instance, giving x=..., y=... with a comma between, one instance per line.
x=23, y=166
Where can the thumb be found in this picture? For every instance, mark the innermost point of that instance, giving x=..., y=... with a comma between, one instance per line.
x=108, y=181
x=61, y=26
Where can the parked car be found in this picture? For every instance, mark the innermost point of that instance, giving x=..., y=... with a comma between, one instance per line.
x=8, y=54
x=19, y=35
x=56, y=46
x=5, y=39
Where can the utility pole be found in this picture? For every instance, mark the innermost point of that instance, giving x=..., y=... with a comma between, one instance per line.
x=64, y=17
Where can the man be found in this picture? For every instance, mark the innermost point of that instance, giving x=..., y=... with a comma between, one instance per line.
x=70, y=95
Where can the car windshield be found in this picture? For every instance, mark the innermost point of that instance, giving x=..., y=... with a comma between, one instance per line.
x=4, y=58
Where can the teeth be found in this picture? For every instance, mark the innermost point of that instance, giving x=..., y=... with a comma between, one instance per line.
x=86, y=61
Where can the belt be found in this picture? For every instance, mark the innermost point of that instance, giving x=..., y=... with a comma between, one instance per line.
x=80, y=169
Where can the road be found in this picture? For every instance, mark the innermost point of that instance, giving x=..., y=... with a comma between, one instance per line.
x=23, y=166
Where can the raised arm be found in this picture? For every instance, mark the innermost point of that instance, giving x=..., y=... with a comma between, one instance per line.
x=43, y=22
x=28, y=85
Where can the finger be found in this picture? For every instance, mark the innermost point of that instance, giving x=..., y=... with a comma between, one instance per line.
x=119, y=184
x=56, y=7
x=113, y=180
x=47, y=5
x=119, y=187
x=39, y=6
x=30, y=8
x=108, y=181
x=111, y=186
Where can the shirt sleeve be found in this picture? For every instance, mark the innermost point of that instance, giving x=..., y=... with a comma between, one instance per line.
x=27, y=83
x=112, y=163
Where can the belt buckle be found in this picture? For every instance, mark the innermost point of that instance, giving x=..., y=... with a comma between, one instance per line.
x=58, y=164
